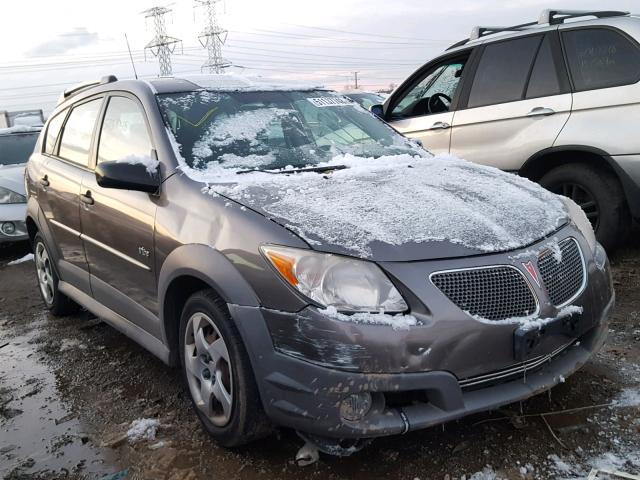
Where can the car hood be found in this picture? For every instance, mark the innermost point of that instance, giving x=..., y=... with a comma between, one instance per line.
x=402, y=207
x=12, y=177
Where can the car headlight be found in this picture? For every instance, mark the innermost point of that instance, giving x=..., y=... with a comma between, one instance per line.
x=9, y=196
x=581, y=222
x=348, y=284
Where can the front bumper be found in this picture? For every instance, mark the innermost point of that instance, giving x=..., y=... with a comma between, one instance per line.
x=13, y=214
x=306, y=364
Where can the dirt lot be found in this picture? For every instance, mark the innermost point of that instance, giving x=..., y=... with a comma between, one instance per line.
x=71, y=387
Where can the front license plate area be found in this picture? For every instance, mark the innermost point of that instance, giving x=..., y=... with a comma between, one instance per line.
x=527, y=338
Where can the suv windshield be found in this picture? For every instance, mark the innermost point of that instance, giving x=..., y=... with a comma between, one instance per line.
x=274, y=129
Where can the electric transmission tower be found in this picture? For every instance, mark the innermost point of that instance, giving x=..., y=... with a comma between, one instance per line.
x=162, y=45
x=212, y=38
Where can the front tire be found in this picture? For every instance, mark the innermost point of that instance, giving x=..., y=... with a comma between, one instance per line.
x=599, y=193
x=218, y=373
x=48, y=280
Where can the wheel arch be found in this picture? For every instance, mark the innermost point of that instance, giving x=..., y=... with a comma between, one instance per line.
x=187, y=270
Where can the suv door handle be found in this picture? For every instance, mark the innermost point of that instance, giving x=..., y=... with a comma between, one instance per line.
x=86, y=198
x=439, y=126
x=44, y=181
x=541, y=112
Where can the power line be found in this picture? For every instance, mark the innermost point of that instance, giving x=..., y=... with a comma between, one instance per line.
x=368, y=34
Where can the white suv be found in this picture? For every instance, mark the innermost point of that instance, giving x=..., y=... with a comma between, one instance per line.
x=557, y=100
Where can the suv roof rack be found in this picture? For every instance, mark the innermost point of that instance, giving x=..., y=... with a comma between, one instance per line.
x=71, y=91
x=548, y=16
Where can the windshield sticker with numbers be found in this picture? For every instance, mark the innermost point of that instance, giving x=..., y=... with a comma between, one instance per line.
x=330, y=101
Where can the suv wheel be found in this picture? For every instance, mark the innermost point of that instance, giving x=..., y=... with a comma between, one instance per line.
x=57, y=302
x=217, y=371
x=600, y=195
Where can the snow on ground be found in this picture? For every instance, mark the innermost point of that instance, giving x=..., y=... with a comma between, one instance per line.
x=27, y=258
x=629, y=397
x=143, y=429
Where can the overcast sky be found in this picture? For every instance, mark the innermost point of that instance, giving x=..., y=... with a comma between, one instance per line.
x=46, y=46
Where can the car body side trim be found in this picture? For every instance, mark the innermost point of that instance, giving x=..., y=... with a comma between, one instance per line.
x=64, y=227
x=115, y=252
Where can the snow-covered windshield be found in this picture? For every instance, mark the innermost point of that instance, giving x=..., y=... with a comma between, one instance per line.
x=274, y=129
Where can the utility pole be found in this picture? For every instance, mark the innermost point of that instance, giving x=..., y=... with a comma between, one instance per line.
x=212, y=38
x=161, y=45
x=356, y=78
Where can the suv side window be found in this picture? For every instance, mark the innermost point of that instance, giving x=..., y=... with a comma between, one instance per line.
x=434, y=93
x=503, y=71
x=600, y=58
x=53, y=130
x=76, y=135
x=544, y=79
x=124, y=132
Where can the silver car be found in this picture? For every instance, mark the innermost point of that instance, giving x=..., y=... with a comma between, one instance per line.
x=554, y=100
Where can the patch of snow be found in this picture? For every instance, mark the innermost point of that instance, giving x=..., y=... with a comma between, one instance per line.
x=445, y=198
x=556, y=251
x=629, y=397
x=532, y=322
x=71, y=343
x=149, y=163
x=143, y=429
x=234, y=82
x=397, y=322
x=20, y=129
x=27, y=258
x=486, y=474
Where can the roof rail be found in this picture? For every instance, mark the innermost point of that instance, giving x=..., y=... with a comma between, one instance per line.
x=556, y=17
x=71, y=91
x=551, y=17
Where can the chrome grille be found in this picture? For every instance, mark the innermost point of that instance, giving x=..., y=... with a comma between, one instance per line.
x=563, y=279
x=493, y=293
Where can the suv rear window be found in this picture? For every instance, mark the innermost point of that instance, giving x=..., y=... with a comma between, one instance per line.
x=76, y=136
x=544, y=76
x=503, y=70
x=601, y=58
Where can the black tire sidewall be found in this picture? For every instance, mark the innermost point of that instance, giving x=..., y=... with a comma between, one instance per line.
x=605, y=190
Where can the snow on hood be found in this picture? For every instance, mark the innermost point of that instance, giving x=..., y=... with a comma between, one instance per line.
x=396, y=200
x=12, y=177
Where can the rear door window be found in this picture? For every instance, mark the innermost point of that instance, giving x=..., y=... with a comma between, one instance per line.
x=544, y=80
x=601, y=58
x=76, y=136
x=53, y=130
x=503, y=71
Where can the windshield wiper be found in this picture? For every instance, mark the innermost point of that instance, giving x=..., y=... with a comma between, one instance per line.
x=322, y=169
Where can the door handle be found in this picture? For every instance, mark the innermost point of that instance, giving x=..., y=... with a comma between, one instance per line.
x=541, y=112
x=86, y=198
x=44, y=181
x=439, y=126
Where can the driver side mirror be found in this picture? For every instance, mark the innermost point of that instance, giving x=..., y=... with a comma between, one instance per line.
x=138, y=176
x=377, y=110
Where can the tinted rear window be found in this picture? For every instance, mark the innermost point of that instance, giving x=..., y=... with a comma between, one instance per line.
x=17, y=147
x=544, y=77
x=53, y=129
x=503, y=71
x=76, y=136
x=601, y=58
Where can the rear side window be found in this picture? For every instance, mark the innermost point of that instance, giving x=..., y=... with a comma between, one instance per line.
x=601, y=58
x=544, y=77
x=53, y=129
x=503, y=71
x=124, y=132
x=76, y=136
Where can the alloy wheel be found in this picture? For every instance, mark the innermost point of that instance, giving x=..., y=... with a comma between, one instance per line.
x=45, y=273
x=584, y=199
x=208, y=369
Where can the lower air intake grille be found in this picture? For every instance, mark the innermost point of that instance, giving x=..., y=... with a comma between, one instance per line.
x=562, y=272
x=493, y=293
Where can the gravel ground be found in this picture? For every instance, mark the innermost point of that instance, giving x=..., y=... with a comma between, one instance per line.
x=71, y=387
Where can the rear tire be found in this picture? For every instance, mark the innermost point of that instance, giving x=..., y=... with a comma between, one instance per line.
x=218, y=373
x=600, y=195
x=48, y=280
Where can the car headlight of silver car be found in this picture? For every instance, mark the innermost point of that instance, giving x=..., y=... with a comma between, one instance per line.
x=348, y=284
x=9, y=196
x=581, y=222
